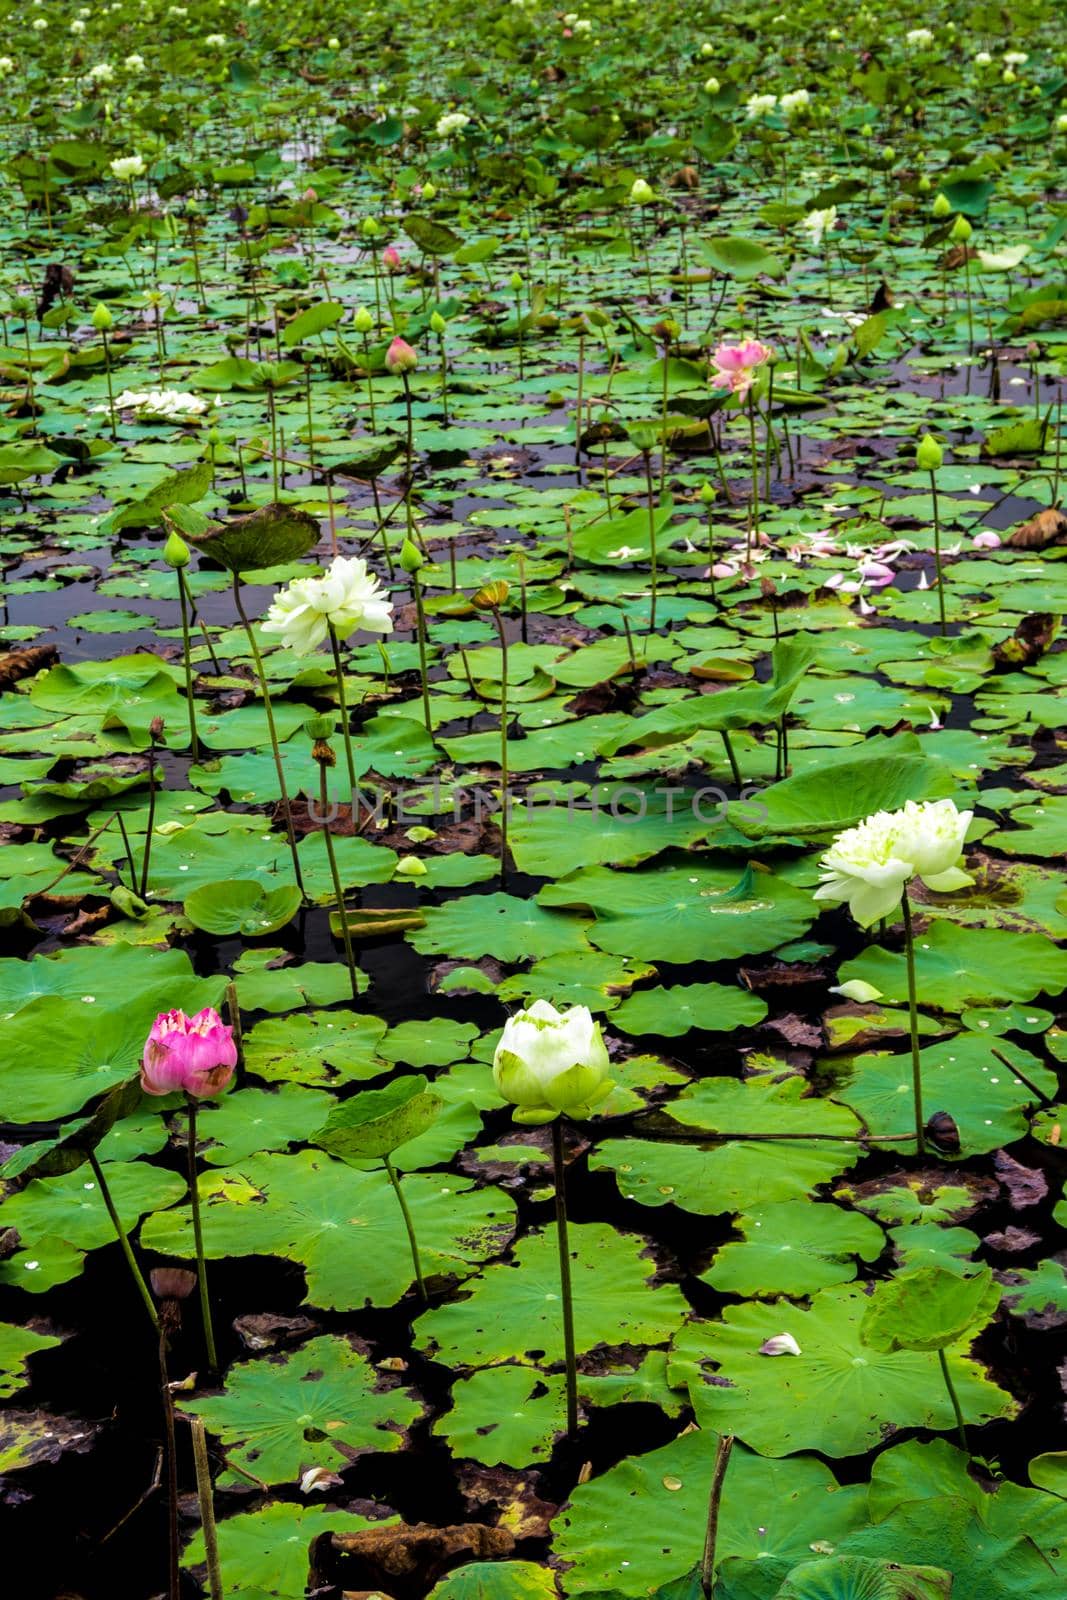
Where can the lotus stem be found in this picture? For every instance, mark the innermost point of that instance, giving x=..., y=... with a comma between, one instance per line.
x=287, y=809
x=565, y=1278
x=342, y=700
x=207, y=1508
x=653, y=561
x=123, y=1238
x=394, y=1179
x=183, y=603
x=913, y=1020
x=711, y=1536
x=198, y=1240
x=937, y=553
x=504, y=777
x=961, y=1427
x=342, y=912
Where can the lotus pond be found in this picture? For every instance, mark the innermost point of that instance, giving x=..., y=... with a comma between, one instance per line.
x=534, y=798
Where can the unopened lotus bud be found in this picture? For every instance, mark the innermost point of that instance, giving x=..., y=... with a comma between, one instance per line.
x=411, y=558
x=888, y=153
x=491, y=596
x=428, y=191
x=641, y=192
x=960, y=231
x=516, y=280
x=942, y=207
x=371, y=229
x=925, y=185
x=103, y=321
x=707, y=493
x=391, y=258
x=929, y=454
x=333, y=42
x=176, y=551
x=363, y=322
x=400, y=357
x=943, y=1133
x=438, y=323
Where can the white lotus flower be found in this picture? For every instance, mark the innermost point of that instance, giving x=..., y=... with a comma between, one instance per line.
x=549, y=1061
x=126, y=167
x=103, y=72
x=818, y=223
x=450, y=122
x=930, y=835
x=7, y=66
x=919, y=38
x=345, y=598
x=757, y=105
x=134, y=63
x=796, y=100
x=868, y=867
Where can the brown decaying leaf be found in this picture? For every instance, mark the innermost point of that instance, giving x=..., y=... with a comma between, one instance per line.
x=1025, y=1185
x=401, y=1559
x=1032, y=637
x=1047, y=527
x=17, y=664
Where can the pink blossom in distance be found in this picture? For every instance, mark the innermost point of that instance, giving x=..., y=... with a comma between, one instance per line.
x=736, y=365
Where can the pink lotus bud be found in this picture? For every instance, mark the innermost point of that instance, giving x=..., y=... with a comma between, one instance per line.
x=400, y=357
x=194, y=1055
x=986, y=540
x=309, y=195
x=391, y=258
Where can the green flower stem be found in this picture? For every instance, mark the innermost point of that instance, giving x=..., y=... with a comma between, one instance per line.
x=502, y=636
x=951, y=1387
x=183, y=602
x=342, y=700
x=394, y=1179
x=410, y=472
x=913, y=1018
x=753, y=528
x=937, y=553
x=207, y=1509
x=198, y=1240
x=420, y=632
x=578, y=410
x=342, y=913
x=287, y=809
x=110, y=390
x=150, y=822
x=123, y=1238
x=565, y=1278
x=711, y=1535
x=444, y=375
x=731, y=757
x=663, y=419
x=173, y=1541
x=653, y=555
x=370, y=385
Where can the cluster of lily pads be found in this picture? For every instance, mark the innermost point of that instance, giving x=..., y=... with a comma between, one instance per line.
x=535, y=793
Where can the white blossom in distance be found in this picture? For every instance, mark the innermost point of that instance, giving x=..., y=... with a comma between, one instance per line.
x=172, y=404
x=126, y=167
x=758, y=105
x=345, y=598
x=450, y=122
x=818, y=224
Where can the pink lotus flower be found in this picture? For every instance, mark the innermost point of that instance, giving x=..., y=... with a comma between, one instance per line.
x=391, y=258
x=195, y=1055
x=400, y=357
x=736, y=365
x=876, y=573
